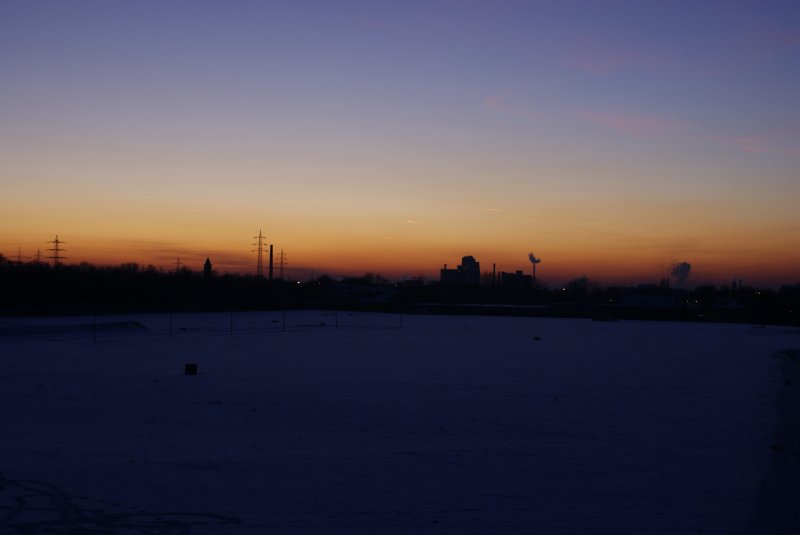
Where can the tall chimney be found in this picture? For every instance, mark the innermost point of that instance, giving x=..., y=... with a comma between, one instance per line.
x=270, y=261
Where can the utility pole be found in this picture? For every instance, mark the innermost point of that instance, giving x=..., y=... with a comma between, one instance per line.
x=281, y=263
x=260, y=250
x=56, y=249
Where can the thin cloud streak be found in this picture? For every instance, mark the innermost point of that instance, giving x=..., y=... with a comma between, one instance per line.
x=758, y=144
x=653, y=126
x=165, y=256
x=636, y=125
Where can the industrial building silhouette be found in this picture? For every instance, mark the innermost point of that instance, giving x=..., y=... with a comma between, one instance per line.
x=468, y=273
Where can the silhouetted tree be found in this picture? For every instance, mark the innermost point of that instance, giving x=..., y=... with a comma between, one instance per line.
x=581, y=285
x=367, y=279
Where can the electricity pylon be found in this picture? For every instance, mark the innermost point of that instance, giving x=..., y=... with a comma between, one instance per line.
x=281, y=262
x=260, y=250
x=56, y=249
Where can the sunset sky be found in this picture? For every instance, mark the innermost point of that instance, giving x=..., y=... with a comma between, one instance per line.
x=611, y=138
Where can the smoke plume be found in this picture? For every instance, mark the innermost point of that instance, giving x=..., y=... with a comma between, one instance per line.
x=680, y=272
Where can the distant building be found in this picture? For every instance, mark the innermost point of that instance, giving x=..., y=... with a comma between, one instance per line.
x=207, y=273
x=516, y=281
x=466, y=274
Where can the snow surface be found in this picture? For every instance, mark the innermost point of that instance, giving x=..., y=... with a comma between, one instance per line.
x=356, y=422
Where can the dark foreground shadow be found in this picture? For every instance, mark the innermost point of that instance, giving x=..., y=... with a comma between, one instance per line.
x=776, y=510
x=28, y=506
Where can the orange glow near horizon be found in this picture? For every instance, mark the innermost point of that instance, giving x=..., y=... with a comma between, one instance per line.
x=624, y=260
x=629, y=241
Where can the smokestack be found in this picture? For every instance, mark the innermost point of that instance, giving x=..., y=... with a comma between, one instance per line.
x=534, y=261
x=270, y=261
x=681, y=272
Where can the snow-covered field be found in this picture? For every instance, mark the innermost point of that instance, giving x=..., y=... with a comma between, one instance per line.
x=354, y=422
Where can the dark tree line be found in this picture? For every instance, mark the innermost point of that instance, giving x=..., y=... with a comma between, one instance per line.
x=86, y=289
x=41, y=289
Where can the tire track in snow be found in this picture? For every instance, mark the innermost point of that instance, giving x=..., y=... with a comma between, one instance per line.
x=28, y=506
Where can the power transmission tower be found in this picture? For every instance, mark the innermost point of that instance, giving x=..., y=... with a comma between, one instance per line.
x=281, y=263
x=38, y=255
x=56, y=249
x=178, y=265
x=260, y=250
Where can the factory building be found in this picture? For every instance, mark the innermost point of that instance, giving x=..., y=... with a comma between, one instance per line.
x=468, y=273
